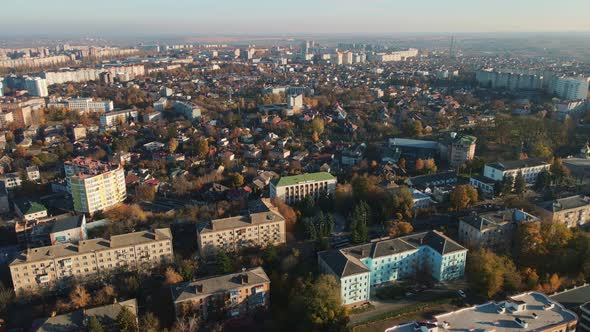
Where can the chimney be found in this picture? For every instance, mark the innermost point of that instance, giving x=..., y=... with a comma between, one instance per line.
x=53, y=313
x=244, y=279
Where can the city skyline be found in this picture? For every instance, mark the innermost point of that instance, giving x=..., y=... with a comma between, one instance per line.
x=207, y=17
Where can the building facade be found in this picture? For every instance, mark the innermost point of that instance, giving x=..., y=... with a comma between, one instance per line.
x=110, y=119
x=291, y=189
x=36, y=86
x=496, y=172
x=492, y=230
x=262, y=227
x=95, y=185
x=360, y=268
x=572, y=211
x=462, y=150
x=85, y=105
x=231, y=295
x=49, y=267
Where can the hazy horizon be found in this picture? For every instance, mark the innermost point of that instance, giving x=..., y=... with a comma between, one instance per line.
x=264, y=17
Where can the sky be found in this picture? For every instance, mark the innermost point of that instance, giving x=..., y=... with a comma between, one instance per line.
x=242, y=17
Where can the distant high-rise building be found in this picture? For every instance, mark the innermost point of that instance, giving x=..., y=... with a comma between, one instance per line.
x=571, y=88
x=1, y=88
x=36, y=86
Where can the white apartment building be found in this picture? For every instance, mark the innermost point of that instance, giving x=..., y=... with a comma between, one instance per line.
x=95, y=185
x=110, y=119
x=262, y=227
x=36, y=86
x=361, y=268
x=496, y=172
x=294, y=188
x=394, y=56
x=51, y=266
x=89, y=105
x=160, y=105
x=571, y=88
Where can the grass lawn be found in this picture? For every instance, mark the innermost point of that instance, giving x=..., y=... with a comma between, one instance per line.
x=426, y=314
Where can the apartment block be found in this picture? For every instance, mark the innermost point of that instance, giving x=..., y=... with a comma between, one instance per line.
x=236, y=294
x=496, y=172
x=462, y=149
x=572, y=211
x=291, y=189
x=51, y=266
x=83, y=105
x=492, y=230
x=110, y=119
x=95, y=185
x=263, y=226
x=363, y=267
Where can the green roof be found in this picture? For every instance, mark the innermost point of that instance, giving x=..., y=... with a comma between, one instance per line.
x=466, y=139
x=302, y=178
x=29, y=207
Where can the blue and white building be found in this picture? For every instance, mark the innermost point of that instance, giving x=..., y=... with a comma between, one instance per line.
x=360, y=268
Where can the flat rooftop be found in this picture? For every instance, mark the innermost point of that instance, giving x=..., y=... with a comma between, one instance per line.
x=303, y=178
x=87, y=166
x=485, y=317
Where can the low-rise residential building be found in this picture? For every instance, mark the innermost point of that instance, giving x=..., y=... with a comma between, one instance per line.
x=51, y=266
x=263, y=226
x=360, y=268
x=572, y=211
x=492, y=230
x=496, y=172
x=85, y=105
x=69, y=230
x=291, y=189
x=78, y=320
x=113, y=118
x=11, y=180
x=29, y=210
x=188, y=110
x=236, y=294
x=95, y=185
x=33, y=173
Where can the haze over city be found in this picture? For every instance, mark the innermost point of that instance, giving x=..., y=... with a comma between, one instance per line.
x=211, y=17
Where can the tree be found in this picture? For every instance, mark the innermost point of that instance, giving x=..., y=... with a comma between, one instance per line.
x=400, y=228
x=402, y=163
x=462, y=197
x=359, y=223
x=402, y=203
x=430, y=166
x=94, y=325
x=223, y=263
x=149, y=323
x=126, y=320
x=146, y=192
x=172, y=145
x=558, y=169
x=323, y=304
x=317, y=126
x=79, y=297
x=288, y=213
x=105, y=295
x=519, y=184
x=489, y=274
x=237, y=180
x=419, y=167
x=172, y=277
x=543, y=181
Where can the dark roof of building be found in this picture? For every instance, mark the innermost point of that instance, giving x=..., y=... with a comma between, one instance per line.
x=347, y=261
x=65, y=224
x=203, y=287
x=574, y=297
x=424, y=181
x=75, y=321
x=566, y=203
x=516, y=164
x=28, y=207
